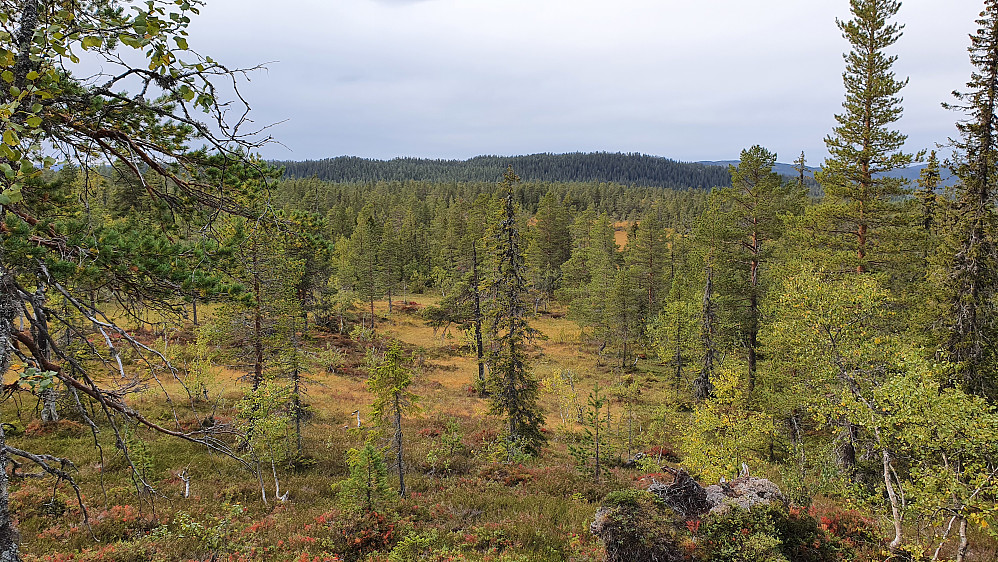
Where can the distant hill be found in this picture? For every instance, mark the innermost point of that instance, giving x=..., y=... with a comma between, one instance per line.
x=780, y=168
x=630, y=169
x=622, y=168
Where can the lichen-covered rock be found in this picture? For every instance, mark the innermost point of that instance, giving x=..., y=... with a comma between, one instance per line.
x=743, y=492
x=690, y=500
x=634, y=526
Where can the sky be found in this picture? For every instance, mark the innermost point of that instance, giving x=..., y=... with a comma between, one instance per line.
x=688, y=80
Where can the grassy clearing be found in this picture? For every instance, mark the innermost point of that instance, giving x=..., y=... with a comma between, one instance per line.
x=466, y=504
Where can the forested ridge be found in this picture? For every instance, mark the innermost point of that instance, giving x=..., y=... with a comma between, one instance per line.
x=604, y=167
x=206, y=357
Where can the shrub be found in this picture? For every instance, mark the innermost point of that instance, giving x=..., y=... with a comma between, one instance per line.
x=767, y=533
x=353, y=537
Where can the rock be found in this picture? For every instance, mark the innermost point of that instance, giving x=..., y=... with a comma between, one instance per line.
x=684, y=495
x=743, y=492
x=690, y=500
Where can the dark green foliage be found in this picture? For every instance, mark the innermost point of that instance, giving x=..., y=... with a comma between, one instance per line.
x=391, y=376
x=648, y=255
x=860, y=212
x=366, y=489
x=970, y=252
x=549, y=246
x=512, y=387
x=626, y=169
x=767, y=533
x=591, y=448
x=739, y=232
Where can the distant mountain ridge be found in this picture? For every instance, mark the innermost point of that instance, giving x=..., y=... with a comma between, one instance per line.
x=911, y=173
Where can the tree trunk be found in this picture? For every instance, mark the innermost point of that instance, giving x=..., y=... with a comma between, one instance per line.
x=49, y=397
x=703, y=388
x=845, y=457
x=596, y=435
x=479, y=346
x=8, y=535
x=896, y=514
x=257, y=321
x=753, y=340
x=398, y=445
x=8, y=310
x=961, y=551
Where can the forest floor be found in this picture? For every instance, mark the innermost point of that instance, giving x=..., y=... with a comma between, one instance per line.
x=465, y=500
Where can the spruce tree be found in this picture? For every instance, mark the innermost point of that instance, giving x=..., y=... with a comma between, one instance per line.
x=548, y=248
x=360, y=266
x=390, y=378
x=647, y=255
x=859, y=211
x=970, y=273
x=513, y=389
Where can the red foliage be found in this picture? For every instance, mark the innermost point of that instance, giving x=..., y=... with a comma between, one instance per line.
x=851, y=526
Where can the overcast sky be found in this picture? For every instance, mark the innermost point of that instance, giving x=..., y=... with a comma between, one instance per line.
x=689, y=80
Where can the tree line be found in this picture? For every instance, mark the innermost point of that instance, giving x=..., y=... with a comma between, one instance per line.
x=629, y=169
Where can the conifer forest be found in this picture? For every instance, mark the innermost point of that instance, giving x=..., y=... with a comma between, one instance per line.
x=208, y=355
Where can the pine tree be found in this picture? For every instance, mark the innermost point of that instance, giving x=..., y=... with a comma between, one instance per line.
x=970, y=275
x=741, y=226
x=703, y=385
x=859, y=211
x=513, y=388
x=595, y=263
x=575, y=272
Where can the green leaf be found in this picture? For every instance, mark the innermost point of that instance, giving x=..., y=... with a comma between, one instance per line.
x=9, y=153
x=34, y=121
x=7, y=76
x=33, y=75
x=10, y=138
x=91, y=42
x=181, y=42
x=13, y=195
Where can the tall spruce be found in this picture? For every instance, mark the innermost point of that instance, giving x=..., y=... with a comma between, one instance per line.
x=513, y=389
x=647, y=255
x=970, y=278
x=860, y=208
